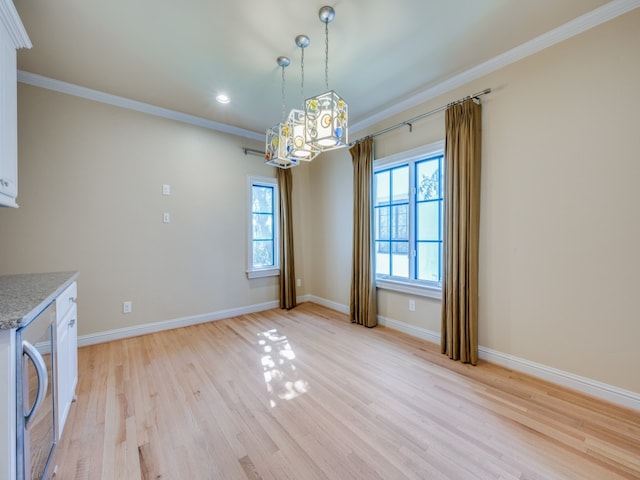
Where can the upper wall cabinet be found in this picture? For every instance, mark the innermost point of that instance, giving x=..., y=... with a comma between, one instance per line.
x=12, y=37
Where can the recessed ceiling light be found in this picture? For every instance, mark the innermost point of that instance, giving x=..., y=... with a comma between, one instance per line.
x=222, y=98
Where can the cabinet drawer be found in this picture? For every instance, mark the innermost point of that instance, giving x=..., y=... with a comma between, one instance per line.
x=66, y=300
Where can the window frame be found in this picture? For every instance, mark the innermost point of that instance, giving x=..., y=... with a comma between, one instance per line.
x=271, y=270
x=416, y=287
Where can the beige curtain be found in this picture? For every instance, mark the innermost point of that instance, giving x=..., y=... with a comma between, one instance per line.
x=363, y=288
x=287, y=269
x=461, y=232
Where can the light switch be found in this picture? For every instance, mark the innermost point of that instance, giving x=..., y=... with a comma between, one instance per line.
x=166, y=218
x=166, y=189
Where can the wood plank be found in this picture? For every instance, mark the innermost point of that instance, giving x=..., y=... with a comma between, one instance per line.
x=280, y=395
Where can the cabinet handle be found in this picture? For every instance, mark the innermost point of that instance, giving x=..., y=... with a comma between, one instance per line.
x=72, y=299
x=4, y=182
x=72, y=322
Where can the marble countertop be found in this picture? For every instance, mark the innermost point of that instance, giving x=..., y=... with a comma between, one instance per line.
x=24, y=296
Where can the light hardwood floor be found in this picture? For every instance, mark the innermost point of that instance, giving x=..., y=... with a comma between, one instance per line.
x=306, y=395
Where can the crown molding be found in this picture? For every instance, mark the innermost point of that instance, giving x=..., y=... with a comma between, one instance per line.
x=574, y=27
x=97, y=96
x=13, y=24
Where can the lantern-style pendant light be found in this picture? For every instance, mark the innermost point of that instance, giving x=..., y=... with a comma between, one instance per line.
x=326, y=114
x=279, y=141
x=302, y=150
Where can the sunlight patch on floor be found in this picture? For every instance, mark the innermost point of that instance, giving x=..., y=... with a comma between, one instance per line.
x=278, y=363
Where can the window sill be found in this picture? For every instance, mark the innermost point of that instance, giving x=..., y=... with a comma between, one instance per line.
x=410, y=288
x=267, y=272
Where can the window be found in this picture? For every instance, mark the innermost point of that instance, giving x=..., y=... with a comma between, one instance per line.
x=263, y=250
x=408, y=220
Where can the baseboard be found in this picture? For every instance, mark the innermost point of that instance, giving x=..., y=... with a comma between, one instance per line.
x=134, y=331
x=412, y=330
x=601, y=390
x=591, y=387
x=303, y=298
x=328, y=303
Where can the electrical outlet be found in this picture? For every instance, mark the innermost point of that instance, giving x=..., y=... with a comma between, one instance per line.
x=299, y=282
x=166, y=189
x=412, y=305
x=166, y=218
x=126, y=307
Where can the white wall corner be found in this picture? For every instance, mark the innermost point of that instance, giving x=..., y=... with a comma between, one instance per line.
x=329, y=304
x=418, y=332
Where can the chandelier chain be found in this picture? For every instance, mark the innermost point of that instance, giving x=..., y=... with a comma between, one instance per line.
x=302, y=76
x=326, y=55
x=283, y=108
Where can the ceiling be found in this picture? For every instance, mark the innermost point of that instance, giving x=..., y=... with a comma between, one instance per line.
x=179, y=55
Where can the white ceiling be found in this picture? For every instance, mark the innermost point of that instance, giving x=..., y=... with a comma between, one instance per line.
x=179, y=54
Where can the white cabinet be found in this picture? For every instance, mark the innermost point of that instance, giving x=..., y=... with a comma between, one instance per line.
x=12, y=36
x=67, y=353
x=8, y=122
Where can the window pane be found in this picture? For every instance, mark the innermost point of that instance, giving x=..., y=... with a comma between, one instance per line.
x=382, y=223
x=382, y=195
x=400, y=184
x=263, y=253
x=383, y=247
x=382, y=258
x=428, y=219
x=262, y=226
x=428, y=179
x=401, y=247
x=400, y=260
x=399, y=222
x=428, y=261
x=262, y=199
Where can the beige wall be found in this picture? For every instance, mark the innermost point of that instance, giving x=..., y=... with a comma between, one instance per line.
x=560, y=221
x=90, y=183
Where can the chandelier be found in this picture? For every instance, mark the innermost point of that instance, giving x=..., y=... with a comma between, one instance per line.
x=326, y=114
x=279, y=140
x=321, y=125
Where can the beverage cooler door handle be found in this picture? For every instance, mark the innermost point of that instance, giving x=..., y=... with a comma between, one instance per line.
x=43, y=381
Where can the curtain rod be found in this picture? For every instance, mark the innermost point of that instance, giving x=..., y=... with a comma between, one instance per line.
x=252, y=151
x=410, y=122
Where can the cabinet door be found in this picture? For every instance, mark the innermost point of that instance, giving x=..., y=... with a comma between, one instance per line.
x=67, y=351
x=8, y=121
